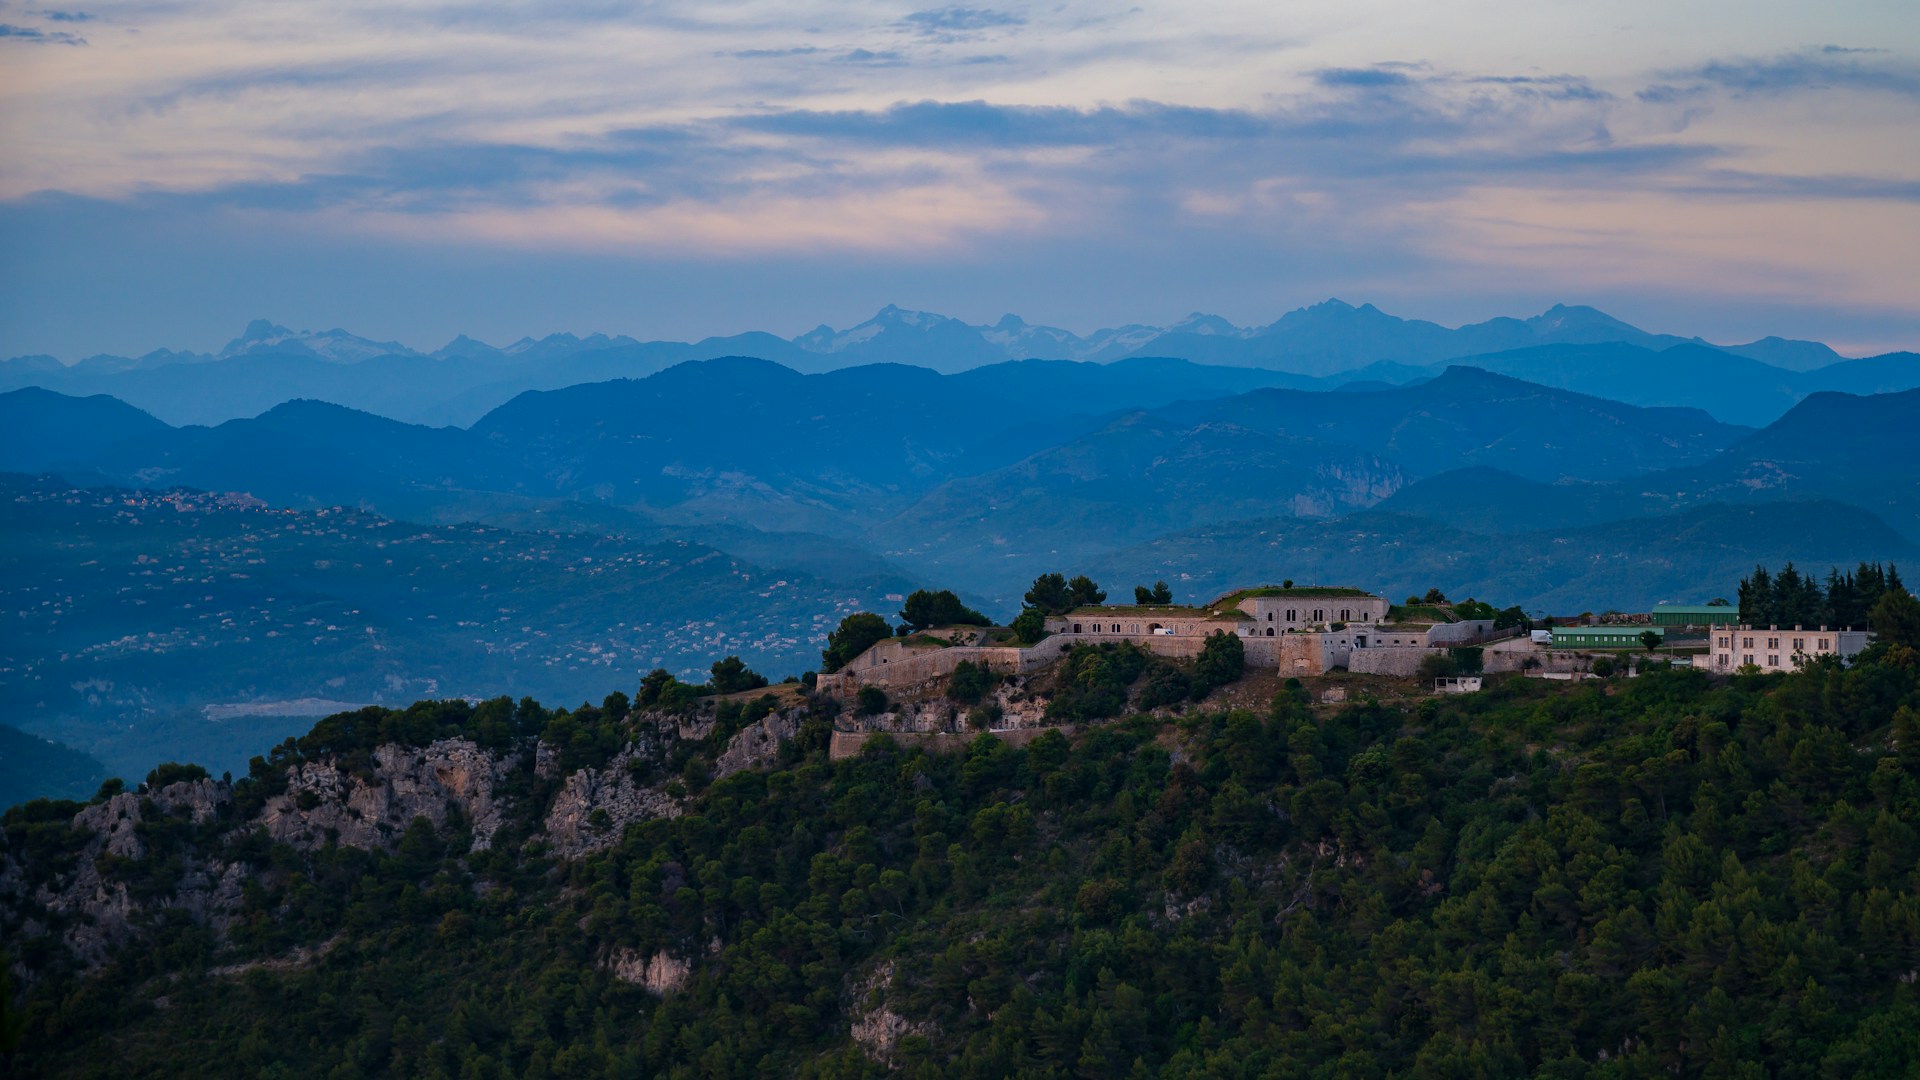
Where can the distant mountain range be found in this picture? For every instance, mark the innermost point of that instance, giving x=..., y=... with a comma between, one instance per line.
x=750, y=443
x=983, y=477
x=1318, y=347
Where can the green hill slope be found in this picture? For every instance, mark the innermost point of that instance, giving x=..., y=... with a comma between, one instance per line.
x=1663, y=876
x=34, y=768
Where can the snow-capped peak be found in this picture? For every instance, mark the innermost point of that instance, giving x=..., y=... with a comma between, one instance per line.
x=337, y=345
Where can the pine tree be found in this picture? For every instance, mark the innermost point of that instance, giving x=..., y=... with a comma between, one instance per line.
x=1756, y=598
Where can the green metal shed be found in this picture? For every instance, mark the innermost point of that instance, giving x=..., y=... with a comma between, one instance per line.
x=1602, y=637
x=1696, y=615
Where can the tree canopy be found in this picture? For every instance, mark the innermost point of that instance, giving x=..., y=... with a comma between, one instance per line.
x=856, y=634
x=1050, y=594
x=1160, y=594
x=925, y=609
x=731, y=676
x=1055, y=595
x=1790, y=598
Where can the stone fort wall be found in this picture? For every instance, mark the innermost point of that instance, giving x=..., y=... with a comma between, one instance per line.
x=1402, y=661
x=890, y=665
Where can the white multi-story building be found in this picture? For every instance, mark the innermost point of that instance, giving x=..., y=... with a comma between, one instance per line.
x=1774, y=648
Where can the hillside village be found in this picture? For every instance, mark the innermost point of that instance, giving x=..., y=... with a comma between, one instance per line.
x=1344, y=639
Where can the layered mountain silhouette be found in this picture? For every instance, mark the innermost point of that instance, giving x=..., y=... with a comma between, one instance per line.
x=1319, y=347
x=981, y=478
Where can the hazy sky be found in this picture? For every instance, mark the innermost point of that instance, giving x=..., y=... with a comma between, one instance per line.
x=171, y=168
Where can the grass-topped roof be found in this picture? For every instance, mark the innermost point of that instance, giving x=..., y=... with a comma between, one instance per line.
x=1145, y=611
x=1224, y=608
x=1308, y=592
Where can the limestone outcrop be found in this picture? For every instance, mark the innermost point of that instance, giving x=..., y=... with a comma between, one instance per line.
x=661, y=973
x=96, y=904
x=189, y=849
x=371, y=810
x=595, y=807
x=877, y=1029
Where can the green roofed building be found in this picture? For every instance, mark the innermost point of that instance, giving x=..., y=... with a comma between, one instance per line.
x=1696, y=615
x=1602, y=637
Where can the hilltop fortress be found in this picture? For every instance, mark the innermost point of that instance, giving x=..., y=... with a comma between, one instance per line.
x=1295, y=631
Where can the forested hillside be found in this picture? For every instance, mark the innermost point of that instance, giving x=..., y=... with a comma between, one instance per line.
x=1667, y=875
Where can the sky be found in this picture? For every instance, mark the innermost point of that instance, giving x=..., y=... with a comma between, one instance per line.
x=170, y=169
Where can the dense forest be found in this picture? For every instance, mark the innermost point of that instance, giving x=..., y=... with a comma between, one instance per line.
x=1669, y=874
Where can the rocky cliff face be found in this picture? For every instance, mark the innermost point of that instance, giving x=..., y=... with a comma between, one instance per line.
x=371, y=811
x=94, y=906
x=595, y=807
x=92, y=882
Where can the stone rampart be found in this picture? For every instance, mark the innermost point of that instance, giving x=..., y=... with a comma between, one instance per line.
x=1401, y=661
x=897, y=668
x=1466, y=632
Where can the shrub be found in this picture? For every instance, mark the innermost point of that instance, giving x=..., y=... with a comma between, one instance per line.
x=1164, y=684
x=1223, y=659
x=1438, y=666
x=1094, y=681
x=872, y=700
x=1030, y=625
x=173, y=772
x=970, y=682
